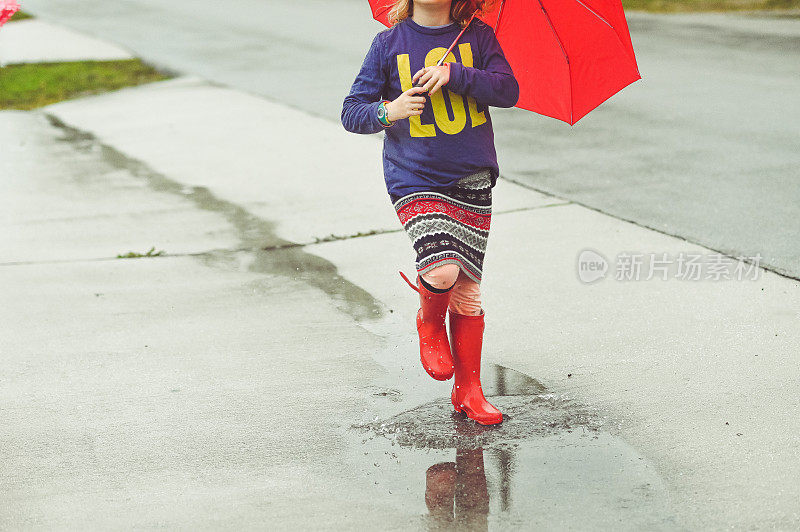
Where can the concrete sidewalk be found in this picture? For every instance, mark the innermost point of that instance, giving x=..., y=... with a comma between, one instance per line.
x=218, y=385
x=37, y=41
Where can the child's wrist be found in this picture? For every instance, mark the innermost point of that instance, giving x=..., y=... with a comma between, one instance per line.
x=389, y=112
x=384, y=113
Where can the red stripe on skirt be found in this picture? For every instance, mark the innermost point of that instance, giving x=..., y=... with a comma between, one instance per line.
x=426, y=206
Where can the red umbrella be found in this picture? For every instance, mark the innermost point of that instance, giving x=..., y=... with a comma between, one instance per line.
x=568, y=56
x=7, y=10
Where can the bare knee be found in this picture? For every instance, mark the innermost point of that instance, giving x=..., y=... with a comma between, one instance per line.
x=465, y=298
x=442, y=276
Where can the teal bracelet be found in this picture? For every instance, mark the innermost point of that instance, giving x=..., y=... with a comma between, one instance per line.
x=383, y=115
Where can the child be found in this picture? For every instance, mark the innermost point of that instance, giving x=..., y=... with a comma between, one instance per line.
x=439, y=165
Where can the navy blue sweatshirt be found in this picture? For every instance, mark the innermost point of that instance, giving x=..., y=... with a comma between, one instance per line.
x=453, y=136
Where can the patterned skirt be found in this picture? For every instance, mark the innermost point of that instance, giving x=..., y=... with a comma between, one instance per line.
x=450, y=226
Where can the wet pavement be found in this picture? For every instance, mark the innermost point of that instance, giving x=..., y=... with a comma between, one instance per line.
x=264, y=369
x=255, y=234
x=161, y=392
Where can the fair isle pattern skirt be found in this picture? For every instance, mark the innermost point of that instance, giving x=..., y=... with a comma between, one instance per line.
x=450, y=226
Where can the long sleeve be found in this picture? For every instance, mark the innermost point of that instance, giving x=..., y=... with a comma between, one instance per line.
x=494, y=84
x=360, y=107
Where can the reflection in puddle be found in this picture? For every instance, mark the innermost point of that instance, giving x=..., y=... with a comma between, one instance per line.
x=456, y=493
x=549, y=464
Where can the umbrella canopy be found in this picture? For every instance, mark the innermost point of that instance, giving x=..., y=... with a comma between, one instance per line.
x=568, y=56
x=380, y=10
x=7, y=10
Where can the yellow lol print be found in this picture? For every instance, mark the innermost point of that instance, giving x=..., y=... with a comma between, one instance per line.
x=442, y=119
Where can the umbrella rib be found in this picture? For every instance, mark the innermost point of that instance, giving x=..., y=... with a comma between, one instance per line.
x=593, y=12
x=499, y=14
x=384, y=10
x=553, y=30
x=564, y=52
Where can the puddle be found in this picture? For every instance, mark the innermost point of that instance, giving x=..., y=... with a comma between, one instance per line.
x=551, y=463
x=528, y=411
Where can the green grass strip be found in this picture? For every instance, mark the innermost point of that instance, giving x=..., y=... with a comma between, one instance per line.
x=19, y=15
x=32, y=85
x=684, y=6
x=134, y=255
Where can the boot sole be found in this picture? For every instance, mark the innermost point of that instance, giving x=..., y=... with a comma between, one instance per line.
x=485, y=423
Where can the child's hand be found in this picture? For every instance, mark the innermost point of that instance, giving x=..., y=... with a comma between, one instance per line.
x=432, y=78
x=407, y=104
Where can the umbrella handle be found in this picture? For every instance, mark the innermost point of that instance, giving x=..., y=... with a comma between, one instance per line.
x=441, y=61
x=456, y=40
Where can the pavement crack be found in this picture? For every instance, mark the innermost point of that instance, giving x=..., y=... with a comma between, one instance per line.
x=726, y=253
x=334, y=238
x=532, y=208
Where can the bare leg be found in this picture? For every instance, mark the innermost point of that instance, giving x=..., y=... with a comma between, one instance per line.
x=442, y=276
x=465, y=298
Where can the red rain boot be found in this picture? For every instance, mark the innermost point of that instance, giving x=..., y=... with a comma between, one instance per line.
x=466, y=339
x=434, y=346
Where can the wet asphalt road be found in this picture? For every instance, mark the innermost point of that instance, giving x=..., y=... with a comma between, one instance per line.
x=705, y=147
